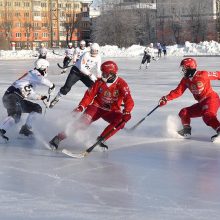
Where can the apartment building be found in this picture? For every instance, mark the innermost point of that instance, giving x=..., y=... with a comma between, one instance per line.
x=28, y=23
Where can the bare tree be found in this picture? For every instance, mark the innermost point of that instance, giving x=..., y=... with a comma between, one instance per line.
x=71, y=24
x=120, y=26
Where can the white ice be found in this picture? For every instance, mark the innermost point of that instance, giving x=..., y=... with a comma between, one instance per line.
x=148, y=174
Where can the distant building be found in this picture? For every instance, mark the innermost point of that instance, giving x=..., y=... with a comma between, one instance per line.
x=188, y=20
x=31, y=22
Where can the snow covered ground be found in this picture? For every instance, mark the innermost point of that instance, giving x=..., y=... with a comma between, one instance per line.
x=147, y=174
x=210, y=48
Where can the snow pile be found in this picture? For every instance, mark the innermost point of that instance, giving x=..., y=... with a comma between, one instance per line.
x=203, y=48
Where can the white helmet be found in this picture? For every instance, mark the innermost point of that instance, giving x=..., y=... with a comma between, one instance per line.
x=94, y=49
x=82, y=42
x=41, y=65
x=42, y=44
x=151, y=45
x=70, y=44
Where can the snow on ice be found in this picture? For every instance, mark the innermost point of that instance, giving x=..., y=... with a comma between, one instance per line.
x=146, y=174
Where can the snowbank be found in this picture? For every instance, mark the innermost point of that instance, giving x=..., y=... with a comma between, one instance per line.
x=203, y=48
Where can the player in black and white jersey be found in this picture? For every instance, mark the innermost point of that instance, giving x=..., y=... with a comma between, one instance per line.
x=17, y=96
x=83, y=71
x=69, y=53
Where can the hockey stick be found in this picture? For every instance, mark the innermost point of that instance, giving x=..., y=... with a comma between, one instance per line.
x=64, y=67
x=138, y=123
x=56, y=53
x=86, y=152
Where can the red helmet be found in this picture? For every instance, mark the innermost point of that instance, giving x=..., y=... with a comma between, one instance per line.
x=109, y=70
x=188, y=63
x=109, y=67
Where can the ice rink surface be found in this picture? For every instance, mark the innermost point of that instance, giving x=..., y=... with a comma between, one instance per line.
x=148, y=174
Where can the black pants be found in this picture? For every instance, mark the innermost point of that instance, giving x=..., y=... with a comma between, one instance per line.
x=146, y=57
x=74, y=76
x=42, y=57
x=16, y=105
x=66, y=61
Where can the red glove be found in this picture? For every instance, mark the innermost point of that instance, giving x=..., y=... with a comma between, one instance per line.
x=126, y=116
x=78, y=109
x=162, y=101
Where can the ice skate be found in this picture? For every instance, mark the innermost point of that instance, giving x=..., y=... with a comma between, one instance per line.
x=215, y=137
x=55, y=100
x=102, y=145
x=26, y=131
x=2, y=134
x=54, y=143
x=185, y=132
x=64, y=71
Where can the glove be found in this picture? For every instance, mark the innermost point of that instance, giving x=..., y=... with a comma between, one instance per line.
x=162, y=101
x=43, y=97
x=126, y=116
x=79, y=109
x=51, y=90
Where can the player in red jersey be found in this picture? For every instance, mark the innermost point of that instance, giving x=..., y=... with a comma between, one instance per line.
x=198, y=82
x=103, y=100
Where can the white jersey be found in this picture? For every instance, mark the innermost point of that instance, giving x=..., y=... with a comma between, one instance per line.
x=28, y=82
x=150, y=51
x=43, y=51
x=69, y=52
x=78, y=53
x=87, y=63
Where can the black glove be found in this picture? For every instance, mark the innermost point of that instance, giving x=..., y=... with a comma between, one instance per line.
x=51, y=90
x=43, y=97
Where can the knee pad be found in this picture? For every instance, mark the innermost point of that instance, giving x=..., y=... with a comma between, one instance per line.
x=183, y=113
x=64, y=90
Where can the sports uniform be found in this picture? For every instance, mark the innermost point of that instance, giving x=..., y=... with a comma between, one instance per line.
x=198, y=82
x=82, y=71
x=16, y=97
x=42, y=52
x=103, y=100
x=149, y=53
x=69, y=52
x=79, y=51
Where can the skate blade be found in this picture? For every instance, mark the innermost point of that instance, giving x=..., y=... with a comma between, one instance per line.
x=185, y=136
x=24, y=137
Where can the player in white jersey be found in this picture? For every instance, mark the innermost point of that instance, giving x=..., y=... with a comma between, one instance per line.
x=79, y=51
x=16, y=97
x=42, y=52
x=82, y=71
x=69, y=53
x=149, y=53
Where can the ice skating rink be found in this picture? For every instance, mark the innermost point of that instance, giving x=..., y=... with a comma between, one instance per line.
x=147, y=174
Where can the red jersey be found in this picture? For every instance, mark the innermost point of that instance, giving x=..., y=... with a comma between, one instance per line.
x=110, y=97
x=199, y=85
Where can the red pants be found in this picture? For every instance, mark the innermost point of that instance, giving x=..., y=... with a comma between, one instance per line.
x=93, y=113
x=207, y=109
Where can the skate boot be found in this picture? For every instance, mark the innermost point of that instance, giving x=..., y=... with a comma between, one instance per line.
x=54, y=143
x=26, y=131
x=55, y=100
x=64, y=71
x=147, y=65
x=102, y=145
x=214, y=137
x=2, y=134
x=185, y=132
